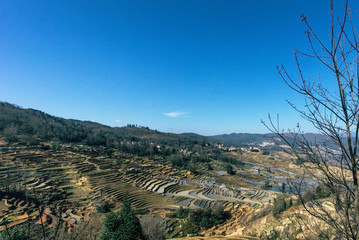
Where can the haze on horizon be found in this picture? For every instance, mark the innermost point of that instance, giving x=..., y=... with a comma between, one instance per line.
x=177, y=66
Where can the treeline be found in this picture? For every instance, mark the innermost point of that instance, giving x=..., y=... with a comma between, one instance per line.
x=29, y=126
x=17, y=124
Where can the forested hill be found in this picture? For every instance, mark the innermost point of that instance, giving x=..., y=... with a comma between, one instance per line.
x=31, y=126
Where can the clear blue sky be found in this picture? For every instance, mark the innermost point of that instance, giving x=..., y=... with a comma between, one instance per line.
x=173, y=65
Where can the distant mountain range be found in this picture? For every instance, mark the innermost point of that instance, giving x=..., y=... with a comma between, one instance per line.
x=244, y=139
x=19, y=124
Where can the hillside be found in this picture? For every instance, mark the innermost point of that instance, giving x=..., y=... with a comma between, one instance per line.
x=270, y=141
x=80, y=166
x=31, y=126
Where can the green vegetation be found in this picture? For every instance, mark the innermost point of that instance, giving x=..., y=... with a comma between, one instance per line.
x=104, y=207
x=273, y=235
x=31, y=128
x=279, y=206
x=182, y=213
x=229, y=169
x=189, y=228
x=196, y=219
x=121, y=226
x=208, y=218
x=15, y=233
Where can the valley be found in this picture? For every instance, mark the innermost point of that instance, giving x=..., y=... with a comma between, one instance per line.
x=59, y=176
x=77, y=178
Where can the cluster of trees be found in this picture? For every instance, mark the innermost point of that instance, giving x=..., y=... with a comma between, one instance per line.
x=201, y=218
x=190, y=161
x=208, y=218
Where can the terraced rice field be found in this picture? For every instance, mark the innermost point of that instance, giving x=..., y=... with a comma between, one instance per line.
x=84, y=179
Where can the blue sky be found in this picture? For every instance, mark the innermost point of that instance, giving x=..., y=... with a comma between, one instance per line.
x=176, y=66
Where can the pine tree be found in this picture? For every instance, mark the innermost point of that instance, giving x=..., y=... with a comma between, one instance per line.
x=122, y=226
x=131, y=228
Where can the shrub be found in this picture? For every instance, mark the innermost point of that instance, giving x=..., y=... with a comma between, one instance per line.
x=279, y=206
x=182, y=213
x=208, y=218
x=273, y=235
x=229, y=169
x=104, y=207
x=189, y=228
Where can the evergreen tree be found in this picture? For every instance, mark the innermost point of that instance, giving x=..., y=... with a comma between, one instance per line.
x=111, y=226
x=122, y=226
x=131, y=228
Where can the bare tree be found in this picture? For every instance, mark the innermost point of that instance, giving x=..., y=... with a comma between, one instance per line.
x=334, y=112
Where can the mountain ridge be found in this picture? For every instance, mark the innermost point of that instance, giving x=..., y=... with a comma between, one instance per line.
x=28, y=124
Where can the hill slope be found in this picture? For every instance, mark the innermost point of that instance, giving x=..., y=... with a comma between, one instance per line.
x=33, y=126
x=30, y=126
